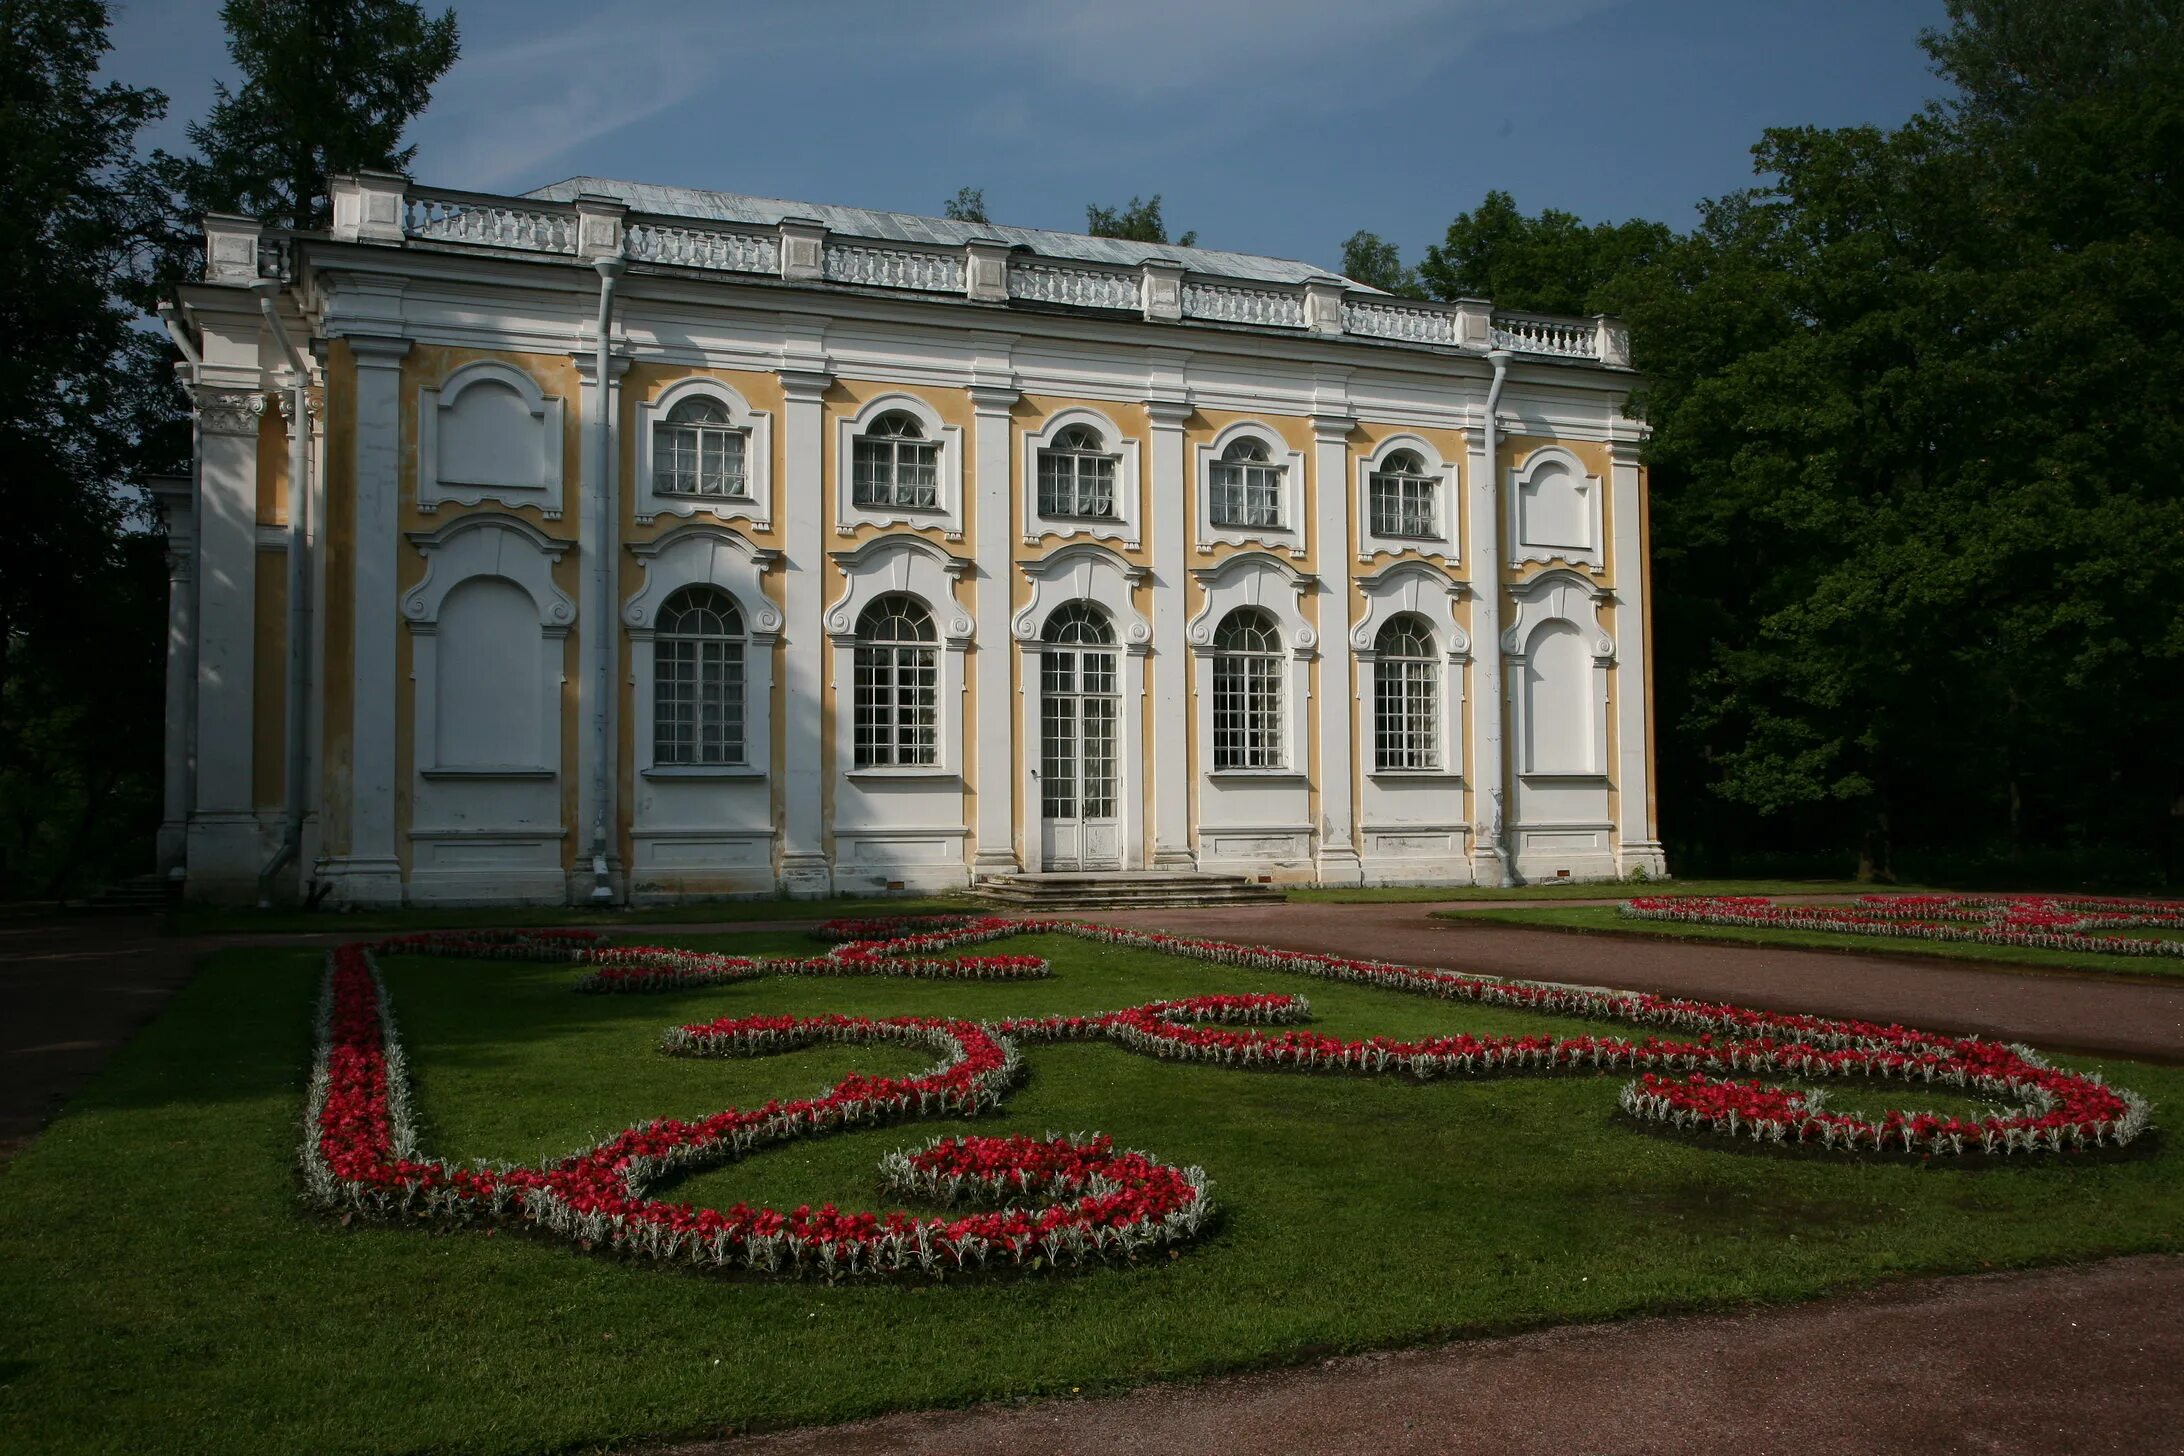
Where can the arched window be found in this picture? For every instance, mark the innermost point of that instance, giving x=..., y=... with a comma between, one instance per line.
x=893, y=464
x=1077, y=476
x=897, y=692
x=1247, y=691
x=1406, y=691
x=1247, y=486
x=1078, y=624
x=696, y=452
x=697, y=680
x=1402, y=497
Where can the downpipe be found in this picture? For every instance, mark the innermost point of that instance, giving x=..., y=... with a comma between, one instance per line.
x=610, y=269
x=1489, y=553
x=296, y=715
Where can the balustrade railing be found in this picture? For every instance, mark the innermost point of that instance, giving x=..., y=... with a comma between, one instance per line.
x=893, y=268
x=488, y=223
x=1546, y=336
x=1077, y=287
x=1233, y=305
x=692, y=247
x=1412, y=323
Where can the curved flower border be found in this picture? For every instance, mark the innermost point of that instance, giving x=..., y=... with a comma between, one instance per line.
x=2047, y=922
x=360, y=1148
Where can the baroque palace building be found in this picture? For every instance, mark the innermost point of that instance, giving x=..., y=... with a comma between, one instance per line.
x=630, y=542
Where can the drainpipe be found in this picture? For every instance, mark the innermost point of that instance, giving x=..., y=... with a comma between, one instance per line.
x=603, y=578
x=180, y=335
x=299, y=589
x=1493, y=766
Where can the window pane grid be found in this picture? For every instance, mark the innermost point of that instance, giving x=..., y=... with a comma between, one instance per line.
x=1247, y=495
x=698, y=676
x=892, y=465
x=896, y=687
x=1402, y=504
x=1078, y=714
x=698, y=460
x=1404, y=699
x=1075, y=484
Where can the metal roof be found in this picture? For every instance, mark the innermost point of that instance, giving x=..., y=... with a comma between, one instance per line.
x=905, y=227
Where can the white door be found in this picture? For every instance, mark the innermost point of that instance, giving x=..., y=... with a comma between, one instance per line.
x=1080, y=713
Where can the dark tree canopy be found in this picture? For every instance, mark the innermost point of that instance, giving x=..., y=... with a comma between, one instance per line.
x=1140, y=222
x=1552, y=263
x=1377, y=263
x=327, y=86
x=968, y=205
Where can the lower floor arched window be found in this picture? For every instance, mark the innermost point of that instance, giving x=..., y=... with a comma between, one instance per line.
x=697, y=680
x=1406, y=691
x=1247, y=691
x=897, y=686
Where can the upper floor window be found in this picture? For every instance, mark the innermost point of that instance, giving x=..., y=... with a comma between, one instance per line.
x=1247, y=691
x=1247, y=486
x=695, y=451
x=1402, y=497
x=897, y=686
x=893, y=464
x=697, y=680
x=1077, y=476
x=1406, y=690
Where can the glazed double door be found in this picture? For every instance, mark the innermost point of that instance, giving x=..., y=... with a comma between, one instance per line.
x=1080, y=711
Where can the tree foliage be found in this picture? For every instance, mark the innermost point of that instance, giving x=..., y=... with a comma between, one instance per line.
x=968, y=205
x=327, y=86
x=1377, y=263
x=1140, y=222
x=1553, y=263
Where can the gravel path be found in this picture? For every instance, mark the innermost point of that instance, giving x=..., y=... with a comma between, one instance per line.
x=2054, y=1362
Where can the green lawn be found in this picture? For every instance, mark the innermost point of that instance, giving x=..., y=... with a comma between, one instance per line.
x=167, y=1292
x=210, y=919
x=1607, y=919
x=1581, y=890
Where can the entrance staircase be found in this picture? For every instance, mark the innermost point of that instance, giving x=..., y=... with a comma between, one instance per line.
x=152, y=894
x=1054, y=892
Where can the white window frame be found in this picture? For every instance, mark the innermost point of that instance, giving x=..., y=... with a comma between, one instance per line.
x=946, y=516
x=1256, y=579
x=1521, y=481
x=1419, y=589
x=549, y=440
x=755, y=506
x=1446, y=537
x=1290, y=536
x=1559, y=595
x=1124, y=525
x=915, y=567
x=702, y=554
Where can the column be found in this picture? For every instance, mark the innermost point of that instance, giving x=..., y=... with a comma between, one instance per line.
x=371, y=872
x=805, y=872
x=1489, y=865
x=991, y=530
x=597, y=704
x=223, y=840
x=1636, y=847
x=180, y=514
x=1338, y=861
x=1167, y=517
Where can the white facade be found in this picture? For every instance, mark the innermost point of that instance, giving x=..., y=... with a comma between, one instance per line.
x=929, y=552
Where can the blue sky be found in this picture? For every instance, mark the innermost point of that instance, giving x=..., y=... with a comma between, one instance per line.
x=1272, y=126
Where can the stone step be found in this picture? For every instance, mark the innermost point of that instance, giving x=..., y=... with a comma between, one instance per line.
x=1140, y=889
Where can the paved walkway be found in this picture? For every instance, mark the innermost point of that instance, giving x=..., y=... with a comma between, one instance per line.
x=2057, y=1362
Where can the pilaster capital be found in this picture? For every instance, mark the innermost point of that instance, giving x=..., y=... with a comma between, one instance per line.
x=1626, y=452
x=991, y=398
x=377, y=351
x=587, y=365
x=805, y=386
x=1168, y=414
x=229, y=411
x=1333, y=429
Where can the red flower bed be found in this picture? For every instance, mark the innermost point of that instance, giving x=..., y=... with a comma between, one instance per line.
x=1100, y=1203
x=2049, y=922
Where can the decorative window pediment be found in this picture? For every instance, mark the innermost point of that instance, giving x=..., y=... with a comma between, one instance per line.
x=489, y=433
x=899, y=645
x=702, y=451
x=1411, y=717
x=704, y=689
x=1407, y=501
x=1554, y=510
x=1251, y=490
x=896, y=463
x=1082, y=573
x=1081, y=479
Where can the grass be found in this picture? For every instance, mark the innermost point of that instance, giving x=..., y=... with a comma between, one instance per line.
x=166, y=1292
x=1607, y=920
x=1577, y=890
x=211, y=919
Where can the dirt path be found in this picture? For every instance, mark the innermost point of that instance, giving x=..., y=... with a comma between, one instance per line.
x=2141, y=1019
x=2055, y=1362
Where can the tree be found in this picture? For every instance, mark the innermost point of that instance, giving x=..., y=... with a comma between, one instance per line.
x=327, y=86
x=1140, y=222
x=78, y=391
x=1378, y=264
x=968, y=205
x=1552, y=263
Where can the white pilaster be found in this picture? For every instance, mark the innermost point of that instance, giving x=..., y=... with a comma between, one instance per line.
x=598, y=707
x=371, y=872
x=1337, y=848
x=805, y=871
x=1636, y=847
x=1167, y=518
x=224, y=843
x=1489, y=865
x=991, y=534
